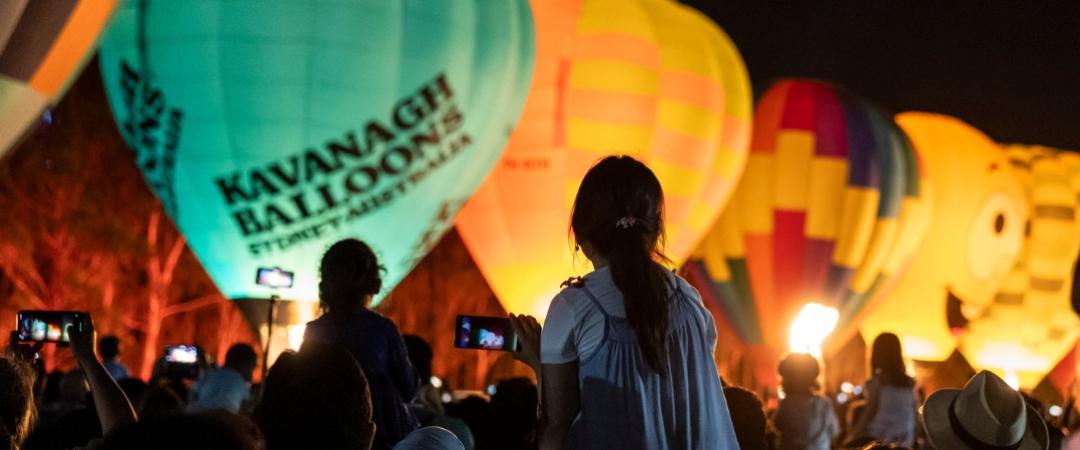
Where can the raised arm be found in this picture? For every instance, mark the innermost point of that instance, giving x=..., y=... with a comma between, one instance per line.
x=113, y=407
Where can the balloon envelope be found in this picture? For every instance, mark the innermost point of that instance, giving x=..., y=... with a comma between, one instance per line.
x=648, y=78
x=975, y=235
x=829, y=209
x=271, y=129
x=43, y=45
x=1030, y=326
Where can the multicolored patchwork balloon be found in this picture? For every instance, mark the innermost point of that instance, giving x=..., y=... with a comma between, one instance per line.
x=1030, y=326
x=43, y=45
x=648, y=78
x=272, y=129
x=831, y=207
x=976, y=231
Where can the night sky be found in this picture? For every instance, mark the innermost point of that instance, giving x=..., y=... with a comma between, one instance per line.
x=1009, y=67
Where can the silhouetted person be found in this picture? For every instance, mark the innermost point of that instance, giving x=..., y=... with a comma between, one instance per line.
x=316, y=398
x=513, y=414
x=350, y=278
x=427, y=407
x=805, y=420
x=890, y=414
x=216, y=430
x=228, y=387
x=748, y=418
x=626, y=353
x=109, y=349
x=17, y=411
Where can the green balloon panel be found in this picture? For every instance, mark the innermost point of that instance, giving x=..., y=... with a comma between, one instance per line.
x=271, y=129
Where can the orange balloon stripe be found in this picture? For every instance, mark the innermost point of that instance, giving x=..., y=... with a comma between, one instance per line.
x=617, y=47
x=611, y=107
x=767, y=119
x=759, y=264
x=694, y=89
x=78, y=35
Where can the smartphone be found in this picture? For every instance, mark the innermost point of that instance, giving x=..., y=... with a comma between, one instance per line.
x=274, y=277
x=485, y=333
x=181, y=361
x=47, y=326
x=183, y=354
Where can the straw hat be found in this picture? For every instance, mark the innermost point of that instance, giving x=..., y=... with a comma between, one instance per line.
x=986, y=414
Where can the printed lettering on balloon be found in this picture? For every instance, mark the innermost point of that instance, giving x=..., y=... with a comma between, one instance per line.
x=154, y=129
x=306, y=194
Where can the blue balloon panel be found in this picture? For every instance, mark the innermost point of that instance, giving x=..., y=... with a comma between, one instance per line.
x=271, y=129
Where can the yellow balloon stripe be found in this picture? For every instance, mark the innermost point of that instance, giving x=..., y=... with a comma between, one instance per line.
x=857, y=220
x=828, y=176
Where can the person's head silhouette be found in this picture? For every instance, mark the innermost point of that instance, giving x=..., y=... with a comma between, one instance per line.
x=316, y=398
x=350, y=276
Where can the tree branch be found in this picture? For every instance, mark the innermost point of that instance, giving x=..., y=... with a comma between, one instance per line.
x=191, y=305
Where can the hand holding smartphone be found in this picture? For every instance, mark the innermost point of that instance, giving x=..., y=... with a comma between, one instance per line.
x=485, y=333
x=47, y=326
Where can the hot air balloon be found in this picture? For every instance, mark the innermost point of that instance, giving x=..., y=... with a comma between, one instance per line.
x=975, y=235
x=271, y=129
x=1029, y=327
x=648, y=78
x=43, y=45
x=830, y=208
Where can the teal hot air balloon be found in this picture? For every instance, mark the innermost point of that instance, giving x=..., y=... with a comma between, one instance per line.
x=271, y=129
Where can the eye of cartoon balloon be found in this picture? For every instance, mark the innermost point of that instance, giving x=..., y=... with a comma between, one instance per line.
x=995, y=236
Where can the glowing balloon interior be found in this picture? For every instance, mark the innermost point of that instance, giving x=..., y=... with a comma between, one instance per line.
x=43, y=45
x=829, y=210
x=648, y=78
x=271, y=129
x=976, y=231
x=1032, y=303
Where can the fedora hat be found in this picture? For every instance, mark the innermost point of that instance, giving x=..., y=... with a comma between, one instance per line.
x=986, y=414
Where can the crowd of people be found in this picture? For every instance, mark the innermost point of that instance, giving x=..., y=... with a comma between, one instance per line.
x=624, y=361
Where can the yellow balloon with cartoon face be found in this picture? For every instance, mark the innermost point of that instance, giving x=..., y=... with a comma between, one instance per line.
x=975, y=235
x=1030, y=325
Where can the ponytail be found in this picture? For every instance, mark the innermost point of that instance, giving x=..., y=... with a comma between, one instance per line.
x=618, y=213
x=644, y=287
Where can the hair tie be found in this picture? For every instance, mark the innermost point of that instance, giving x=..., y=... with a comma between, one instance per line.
x=626, y=222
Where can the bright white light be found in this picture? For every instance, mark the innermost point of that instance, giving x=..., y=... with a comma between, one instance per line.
x=811, y=327
x=436, y=382
x=842, y=398
x=847, y=387
x=1055, y=410
x=447, y=398
x=1011, y=379
x=296, y=335
x=491, y=389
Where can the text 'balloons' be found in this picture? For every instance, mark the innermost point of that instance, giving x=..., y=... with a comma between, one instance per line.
x=270, y=130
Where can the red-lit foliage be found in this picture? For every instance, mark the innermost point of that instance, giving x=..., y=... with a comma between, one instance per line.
x=79, y=229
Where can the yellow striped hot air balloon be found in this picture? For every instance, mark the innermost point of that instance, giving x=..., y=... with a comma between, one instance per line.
x=43, y=44
x=648, y=78
x=1030, y=325
x=830, y=208
x=974, y=237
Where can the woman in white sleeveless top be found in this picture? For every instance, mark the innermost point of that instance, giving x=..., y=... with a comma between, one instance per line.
x=625, y=360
